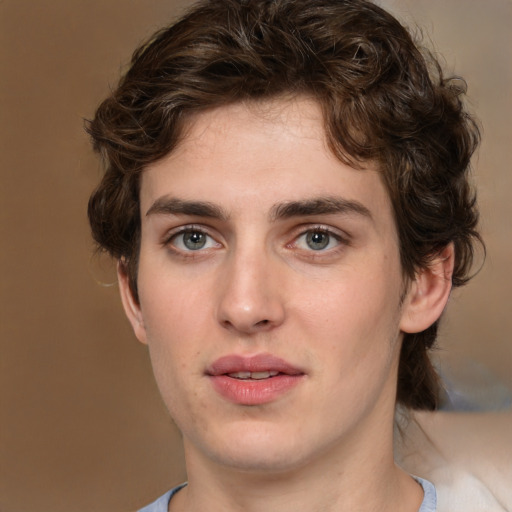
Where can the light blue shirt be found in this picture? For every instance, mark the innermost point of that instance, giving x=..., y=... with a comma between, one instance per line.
x=429, y=503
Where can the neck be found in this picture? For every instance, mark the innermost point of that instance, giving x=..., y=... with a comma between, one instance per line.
x=357, y=475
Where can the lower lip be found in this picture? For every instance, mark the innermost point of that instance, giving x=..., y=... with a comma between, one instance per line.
x=254, y=392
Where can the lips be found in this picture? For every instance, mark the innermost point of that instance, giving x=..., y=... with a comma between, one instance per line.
x=253, y=364
x=253, y=380
x=253, y=375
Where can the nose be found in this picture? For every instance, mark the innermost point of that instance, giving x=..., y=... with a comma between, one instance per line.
x=250, y=294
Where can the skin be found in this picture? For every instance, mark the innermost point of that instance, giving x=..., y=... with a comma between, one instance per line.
x=322, y=289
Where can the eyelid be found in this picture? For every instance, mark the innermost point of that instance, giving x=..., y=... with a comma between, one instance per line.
x=186, y=228
x=169, y=234
x=338, y=234
x=343, y=241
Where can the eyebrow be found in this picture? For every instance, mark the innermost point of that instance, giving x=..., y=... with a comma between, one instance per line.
x=302, y=208
x=319, y=206
x=173, y=206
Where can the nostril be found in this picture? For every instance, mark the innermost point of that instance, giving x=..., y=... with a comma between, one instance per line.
x=249, y=327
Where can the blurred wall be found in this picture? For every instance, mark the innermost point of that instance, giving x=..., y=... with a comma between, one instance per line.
x=82, y=427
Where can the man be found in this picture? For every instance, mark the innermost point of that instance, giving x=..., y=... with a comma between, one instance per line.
x=286, y=193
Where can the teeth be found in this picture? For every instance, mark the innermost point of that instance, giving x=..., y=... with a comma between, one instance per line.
x=262, y=375
x=253, y=375
x=240, y=375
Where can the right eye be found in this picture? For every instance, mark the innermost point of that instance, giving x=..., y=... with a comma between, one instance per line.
x=192, y=240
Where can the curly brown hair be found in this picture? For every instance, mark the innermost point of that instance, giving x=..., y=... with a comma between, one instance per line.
x=383, y=98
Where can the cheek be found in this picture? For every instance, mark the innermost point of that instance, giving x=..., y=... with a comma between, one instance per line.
x=176, y=341
x=354, y=319
x=175, y=317
x=172, y=305
x=351, y=299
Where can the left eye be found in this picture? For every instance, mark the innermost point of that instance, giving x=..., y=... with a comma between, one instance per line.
x=317, y=240
x=192, y=240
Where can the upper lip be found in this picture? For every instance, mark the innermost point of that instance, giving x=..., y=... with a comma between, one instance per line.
x=256, y=363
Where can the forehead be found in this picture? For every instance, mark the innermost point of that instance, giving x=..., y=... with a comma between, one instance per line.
x=268, y=129
x=259, y=154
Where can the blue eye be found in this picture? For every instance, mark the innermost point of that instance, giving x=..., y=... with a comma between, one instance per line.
x=192, y=240
x=317, y=240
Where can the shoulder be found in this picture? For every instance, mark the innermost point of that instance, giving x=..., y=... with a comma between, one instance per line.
x=467, y=456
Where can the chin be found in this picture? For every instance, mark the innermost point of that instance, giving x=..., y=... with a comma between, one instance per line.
x=258, y=449
x=262, y=460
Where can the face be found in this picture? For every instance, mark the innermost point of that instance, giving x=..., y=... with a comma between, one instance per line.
x=269, y=284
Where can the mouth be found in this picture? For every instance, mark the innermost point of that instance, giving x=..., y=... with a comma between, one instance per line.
x=253, y=380
x=259, y=366
x=253, y=375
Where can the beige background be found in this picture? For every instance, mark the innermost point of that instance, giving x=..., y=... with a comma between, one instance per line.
x=82, y=426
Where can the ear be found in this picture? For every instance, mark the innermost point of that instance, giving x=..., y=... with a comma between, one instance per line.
x=130, y=305
x=428, y=293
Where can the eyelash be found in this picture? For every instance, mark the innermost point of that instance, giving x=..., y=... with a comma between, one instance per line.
x=302, y=231
x=173, y=235
x=342, y=240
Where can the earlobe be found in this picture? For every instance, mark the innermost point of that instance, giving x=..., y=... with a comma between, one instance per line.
x=130, y=305
x=428, y=293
